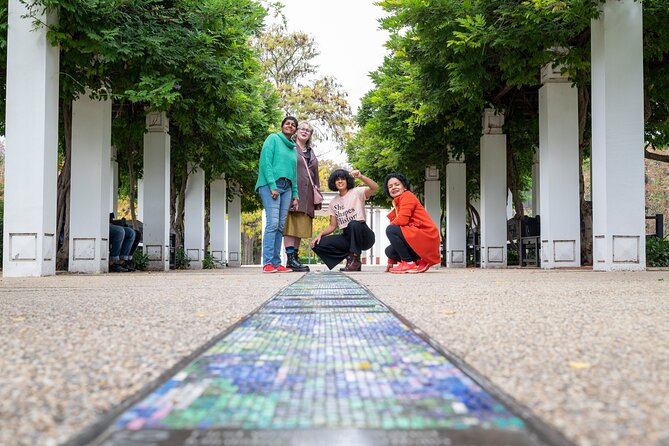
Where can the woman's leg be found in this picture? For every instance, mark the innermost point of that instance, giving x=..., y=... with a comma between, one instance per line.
x=291, y=242
x=271, y=206
x=392, y=254
x=285, y=199
x=361, y=236
x=332, y=249
x=399, y=244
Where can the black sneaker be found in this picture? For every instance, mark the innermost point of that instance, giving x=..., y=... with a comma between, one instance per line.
x=117, y=268
x=129, y=265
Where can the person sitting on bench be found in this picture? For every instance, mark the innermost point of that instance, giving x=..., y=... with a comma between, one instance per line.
x=121, y=243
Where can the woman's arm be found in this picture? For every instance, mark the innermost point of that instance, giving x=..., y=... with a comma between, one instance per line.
x=328, y=230
x=406, y=205
x=371, y=184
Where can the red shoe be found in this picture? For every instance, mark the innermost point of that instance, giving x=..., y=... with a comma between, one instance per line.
x=422, y=266
x=283, y=269
x=269, y=268
x=404, y=267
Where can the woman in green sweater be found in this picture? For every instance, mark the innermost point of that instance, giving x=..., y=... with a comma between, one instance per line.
x=277, y=186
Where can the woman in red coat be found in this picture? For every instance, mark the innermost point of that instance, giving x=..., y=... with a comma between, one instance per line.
x=414, y=238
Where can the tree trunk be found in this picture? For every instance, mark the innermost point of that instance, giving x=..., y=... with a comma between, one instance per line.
x=63, y=192
x=586, y=206
x=181, y=204
x=132, y=186
x=512, y=184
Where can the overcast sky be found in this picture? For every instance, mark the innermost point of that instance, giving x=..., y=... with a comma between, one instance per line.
x=350, y=43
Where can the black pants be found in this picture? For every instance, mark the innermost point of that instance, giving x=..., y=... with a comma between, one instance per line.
x=399, y=248
x=356, y=238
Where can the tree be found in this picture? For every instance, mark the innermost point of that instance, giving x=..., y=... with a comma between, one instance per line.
x=288, y=62
x=453, y=58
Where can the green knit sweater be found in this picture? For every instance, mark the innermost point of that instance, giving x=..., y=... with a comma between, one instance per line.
x=278, y=159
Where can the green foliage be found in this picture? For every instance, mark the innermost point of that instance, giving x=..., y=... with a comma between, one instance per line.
x=288, y=61
x=657, y=251
x=209, y=262
x=141, y=260
x=182, y=261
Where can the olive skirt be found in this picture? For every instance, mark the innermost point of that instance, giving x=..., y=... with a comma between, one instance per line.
x=298, y=224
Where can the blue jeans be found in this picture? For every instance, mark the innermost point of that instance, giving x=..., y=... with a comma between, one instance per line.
x=121, y=239
x=276, y=210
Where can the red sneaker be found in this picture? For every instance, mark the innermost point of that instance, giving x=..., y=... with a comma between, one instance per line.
x=404, y=267
x=283, y=269
x=269, y=268
x=422, y=266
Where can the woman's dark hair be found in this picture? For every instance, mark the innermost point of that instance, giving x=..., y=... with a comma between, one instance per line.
x=400, y=177
x=340, y=173
x=289, y=118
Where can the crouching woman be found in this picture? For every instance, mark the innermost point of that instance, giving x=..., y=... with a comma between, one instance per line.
x=347, y=212
x=414, y=238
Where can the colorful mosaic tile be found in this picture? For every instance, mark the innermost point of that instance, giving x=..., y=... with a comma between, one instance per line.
x=328, y=365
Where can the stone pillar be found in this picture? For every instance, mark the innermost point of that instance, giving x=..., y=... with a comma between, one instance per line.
x=618, y=196
x=493, y=191
x=235, y=230
x=89, y=187
x=156, y=194
x=194, y=217
x=379, y=248
x=113, y=183
x=31, y=156
x=217, y=224
x=456, y=212
x=536, y=185
x=433, y=197
x=559, y=173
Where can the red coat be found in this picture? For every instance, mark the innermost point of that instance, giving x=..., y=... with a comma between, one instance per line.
x=417, y=227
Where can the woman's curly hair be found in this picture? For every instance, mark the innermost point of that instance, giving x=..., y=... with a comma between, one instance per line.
x=400, y=177
x=340, y=173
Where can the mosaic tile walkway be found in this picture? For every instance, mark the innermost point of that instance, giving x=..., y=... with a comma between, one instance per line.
x=322, y=363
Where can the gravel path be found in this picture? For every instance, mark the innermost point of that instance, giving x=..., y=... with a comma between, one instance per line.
x=587, y=352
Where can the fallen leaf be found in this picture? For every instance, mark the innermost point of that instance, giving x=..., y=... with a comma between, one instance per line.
x=365, y=365
x=200, y=314
x=18, y=319
x=449, y=312
x=579, y=365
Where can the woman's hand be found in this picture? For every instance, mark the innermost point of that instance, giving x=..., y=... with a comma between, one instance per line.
x=296, y=202
x=355, y=173
x=316, y=240
x=275, y=194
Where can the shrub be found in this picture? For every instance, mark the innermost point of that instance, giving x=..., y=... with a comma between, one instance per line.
x=140, y=260
x=209, y=262
x=182, y=259
x=657, y=251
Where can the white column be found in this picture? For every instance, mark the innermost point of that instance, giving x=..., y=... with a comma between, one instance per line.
x=379, y=248
x=113, y=183
x=194, y=217
x=235, y=230
x=493, y=191
x=618, y=195
x=559, y=173
x=382, y=238
x=156, y=192
x=456, y=212
x=433, y=197
x=218, y=208
x=536, y=185
x=89, y=188
x=140, y=199
x=31, y=156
